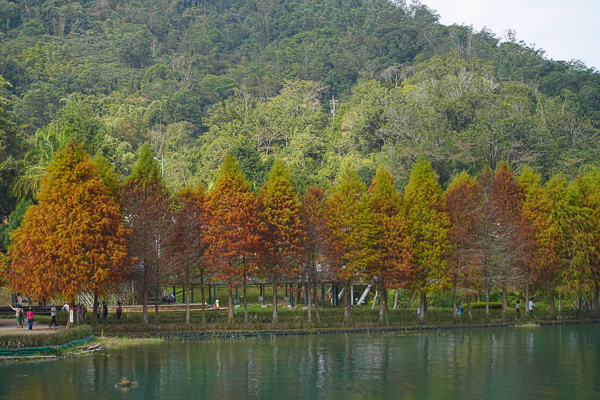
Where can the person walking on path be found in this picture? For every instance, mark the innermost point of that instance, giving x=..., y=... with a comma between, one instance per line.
x=30, y=318
x=104, y=312
x=531, y=307
x=119, y=310
x=459, y=309
x=518, y=309
x=53, y=315
x=18, y=314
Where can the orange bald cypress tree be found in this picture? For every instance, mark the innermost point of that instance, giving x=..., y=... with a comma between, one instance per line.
x=231, y=228
x=574, y=220
x=590, y=183
x=463, y=204
x=315, y=248
x=280, y=227
x=539, y=209
x=185, y=244
x=511, y=232
x=351, y=232
x=393, y=243
x=73, y=240
x=428, y=226
x=147, y=210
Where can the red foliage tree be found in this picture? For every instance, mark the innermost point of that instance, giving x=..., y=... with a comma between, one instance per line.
x=231, y=228
x=463, y=205
x=509, y=231
x=185, y=245
x=147, y=211
x=315, y=248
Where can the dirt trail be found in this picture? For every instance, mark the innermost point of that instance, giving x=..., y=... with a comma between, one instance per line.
x=9, y=327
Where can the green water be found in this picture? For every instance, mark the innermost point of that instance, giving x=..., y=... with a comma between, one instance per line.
x=561, y=362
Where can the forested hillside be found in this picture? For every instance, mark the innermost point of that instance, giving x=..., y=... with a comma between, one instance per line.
x=314, y=83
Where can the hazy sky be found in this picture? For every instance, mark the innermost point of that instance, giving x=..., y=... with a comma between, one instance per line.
x=564, y=29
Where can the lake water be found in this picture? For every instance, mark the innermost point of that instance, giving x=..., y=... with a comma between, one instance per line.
x=549, y=362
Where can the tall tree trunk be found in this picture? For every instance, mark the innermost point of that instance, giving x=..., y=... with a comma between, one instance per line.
x=423, y=307
x=411, y=301
x=203, y=302
x=552, y=306
x=316, y=304
x=145, y=307
x=298, y=294
x=245, y=305
x=187, y=304
x=96, y=305
x=156, y=304
x=559, y=304
x=347, y=305
x=527, y=297
x=230, y=303
x=381, y=309
x=308, y=319
x=487, y=296
x=468, y=295
x=375, y=299
x=396, y=298
x=275, y=314
x=504, y=298
x=385, y=307
x=454, y=293
x=597, y=299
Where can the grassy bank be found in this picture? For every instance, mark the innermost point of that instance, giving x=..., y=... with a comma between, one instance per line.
x=58, y=338
x=362, y=317
x=112, y=343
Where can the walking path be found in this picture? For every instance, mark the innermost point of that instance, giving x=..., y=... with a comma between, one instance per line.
x=9, y=327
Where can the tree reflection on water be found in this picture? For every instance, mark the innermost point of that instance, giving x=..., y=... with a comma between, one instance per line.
x=527, y=362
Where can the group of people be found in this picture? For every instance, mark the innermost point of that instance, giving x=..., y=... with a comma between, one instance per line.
x=170, y=299
x=19, y=316
x=531, y=307
x=81, y=310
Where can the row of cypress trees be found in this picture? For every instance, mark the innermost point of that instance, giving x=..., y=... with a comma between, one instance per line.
x=88, y=232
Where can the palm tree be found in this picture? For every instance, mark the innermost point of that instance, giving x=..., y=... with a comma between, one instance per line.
x=47, y=142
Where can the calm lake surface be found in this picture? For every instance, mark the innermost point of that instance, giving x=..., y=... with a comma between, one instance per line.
x=560, y=362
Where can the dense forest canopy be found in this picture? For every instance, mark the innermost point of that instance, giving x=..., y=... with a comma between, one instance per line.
x=314, y=83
